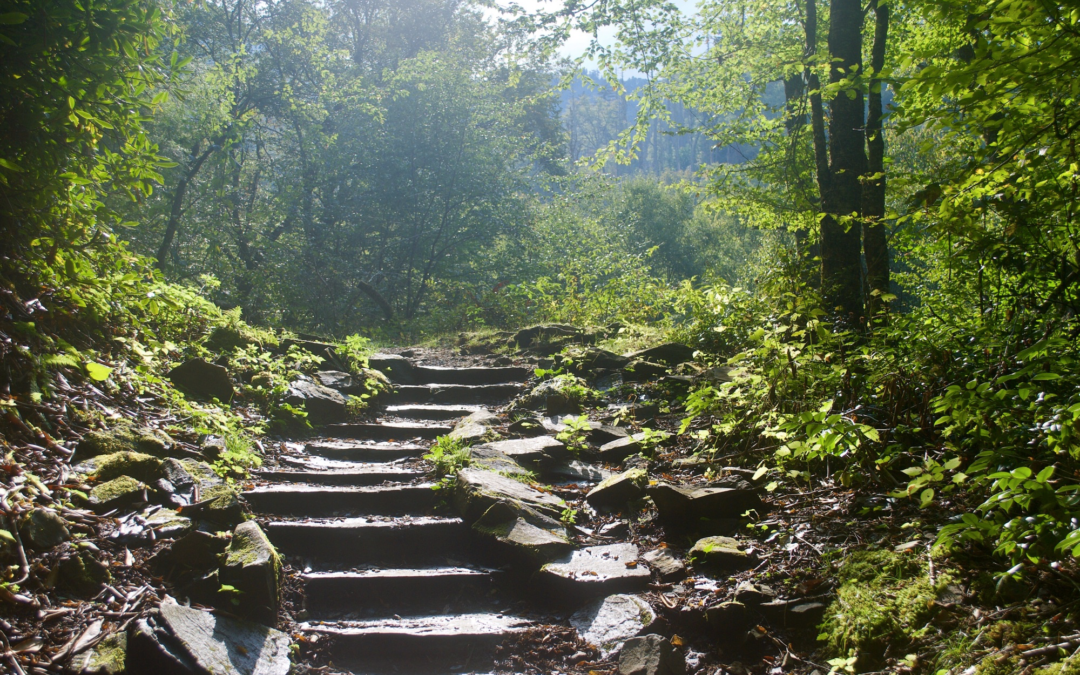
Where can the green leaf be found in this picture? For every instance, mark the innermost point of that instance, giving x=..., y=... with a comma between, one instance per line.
x=13, y=18
x=98, y=372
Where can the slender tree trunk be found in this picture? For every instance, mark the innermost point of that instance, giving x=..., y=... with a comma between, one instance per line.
x=841, y=246
x=794, y=91
x=176, y=209
x=875, y=243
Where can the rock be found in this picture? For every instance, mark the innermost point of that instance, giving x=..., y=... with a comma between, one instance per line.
x=602, y=434
x=483, y=457
x=43, y=529
x=561, y=395
x=202, y=472
x=579, y=471
x=794, y=613
x=202, y=642
x=721, y=553
x=219, y=504
x=531, y=452
x=196, y=550
x=109, y=657
x=527, y=532
x=667, y=566
x=670, y=353
x=619, y=529
x=597, y=570
x=619, y=449
x=752, y=595
x=124, y=438
x=339, y=381
x=728, y=620
x=397, y=368
x=650, y=655
x=82, y=574
x=177, y=475
x=223, y=338
x=146, y=468
x=547, y=334
x=477, y=490
x=203, y=379
x=527, y=426
x=643, y=371
x=252, y=566
x=608, y=622
x=686, y=505
x=323, y=405
x=153, y=524
x=116, y=493
x=324, y=350
x=476, y=427
x=616, y=491
x=595, y=358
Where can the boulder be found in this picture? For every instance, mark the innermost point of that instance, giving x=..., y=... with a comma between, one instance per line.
x=476, y=490
x=253, y=567
x=602, y=434
x=527, y=426
x=531, y=452
x=595, y=358
x=146, y=468
x=752, y=595
x=525, y=532
x=124, y=438
x=116, y=493
x=621, y=448
x=178, y=476
x=176, y=638
x=398, y=369
x=687, y=505
x=544, y=338
x=796, y=614
x=476, y=427
x=223, y=338
x=667, y=566
x=483, y=457
x=578, y=471
x=219, y=504
x=109, y=657
x=198, y=377
x=722, y=553
x=650, y=655
x=596, y=570
x=670, y=353
x=558, y=396
x=728, y=620
x=643, y=371
x=614, y=492
x=607, y=623
x=338, y=380
x=197, y=550
x=323, y=404
x=43, y=529
x=82, y=574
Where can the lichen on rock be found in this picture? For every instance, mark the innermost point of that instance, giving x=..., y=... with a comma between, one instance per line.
x=137, y=465
x=124, y=437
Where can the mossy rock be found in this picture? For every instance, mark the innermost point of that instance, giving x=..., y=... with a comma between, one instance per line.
x=1069, y=666
x=224, y=338
x=123, y=438
x=885, y=601
x=43, y=529
x=252, y=565
x=82, y=574
x=109, y=657
x=116, y=493
x=721, y=553
x=222, y=505
x=262, y=379
x=137, y=465
x=202, y=472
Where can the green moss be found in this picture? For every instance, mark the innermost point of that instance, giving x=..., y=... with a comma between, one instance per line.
x=123, y=438
x=142, y=467
x=1070, y=666
x=224, y=505
x=115, y=492
x=885, y=600
x=109, y=657
x=202, y=472
x=83, y=574
x=262, y=379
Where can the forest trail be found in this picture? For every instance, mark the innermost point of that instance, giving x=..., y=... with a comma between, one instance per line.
x=390, y=583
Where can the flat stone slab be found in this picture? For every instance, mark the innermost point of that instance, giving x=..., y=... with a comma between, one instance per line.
x=688, y=504
x=671, y=353
x=356, y=540
x=226, y=646
x=456, y=393
x=723, y=553
x=389, y=430
x=608, y=622
x=365, y=452
x=476, y=427
x=471, y=376
x=477, y=490
x=621, y=448
x=666, y=564
x=303, y=499
x=614, y=492
x=525, y=532
x=579, y=471
x=597, y=570
x=530, y=451
x=431, y=411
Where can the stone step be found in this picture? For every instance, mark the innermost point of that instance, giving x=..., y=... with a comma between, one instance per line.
x=453, y=642
x=314, y=500
x=432, y=412
x=388, y=430
x=456, y=393
x=319, y=471
x=471, y=376
x=396, y=589
x=365, y=540
x=363, y=452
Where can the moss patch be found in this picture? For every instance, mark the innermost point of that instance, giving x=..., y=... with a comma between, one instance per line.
x=146, y=468
x=885, y=600
x=123, y=438
x=116, y=492
x=224, y=505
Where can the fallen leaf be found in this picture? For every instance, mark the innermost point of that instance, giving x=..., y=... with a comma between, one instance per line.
x=677, y=641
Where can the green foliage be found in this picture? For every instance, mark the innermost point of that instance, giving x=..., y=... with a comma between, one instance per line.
x=448, y=455
x=239, y=456
x=576, y=433
x=355, y=350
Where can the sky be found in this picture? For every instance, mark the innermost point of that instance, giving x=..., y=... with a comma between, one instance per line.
x=578, y=41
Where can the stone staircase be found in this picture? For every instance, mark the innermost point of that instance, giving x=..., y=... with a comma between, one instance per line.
x=391, y=584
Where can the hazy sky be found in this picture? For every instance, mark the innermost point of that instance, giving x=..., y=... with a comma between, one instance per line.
x=578, y=42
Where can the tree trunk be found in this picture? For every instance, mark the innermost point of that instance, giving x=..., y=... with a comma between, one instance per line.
x=841, y=263
x=177, y=208
x=875, y=242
